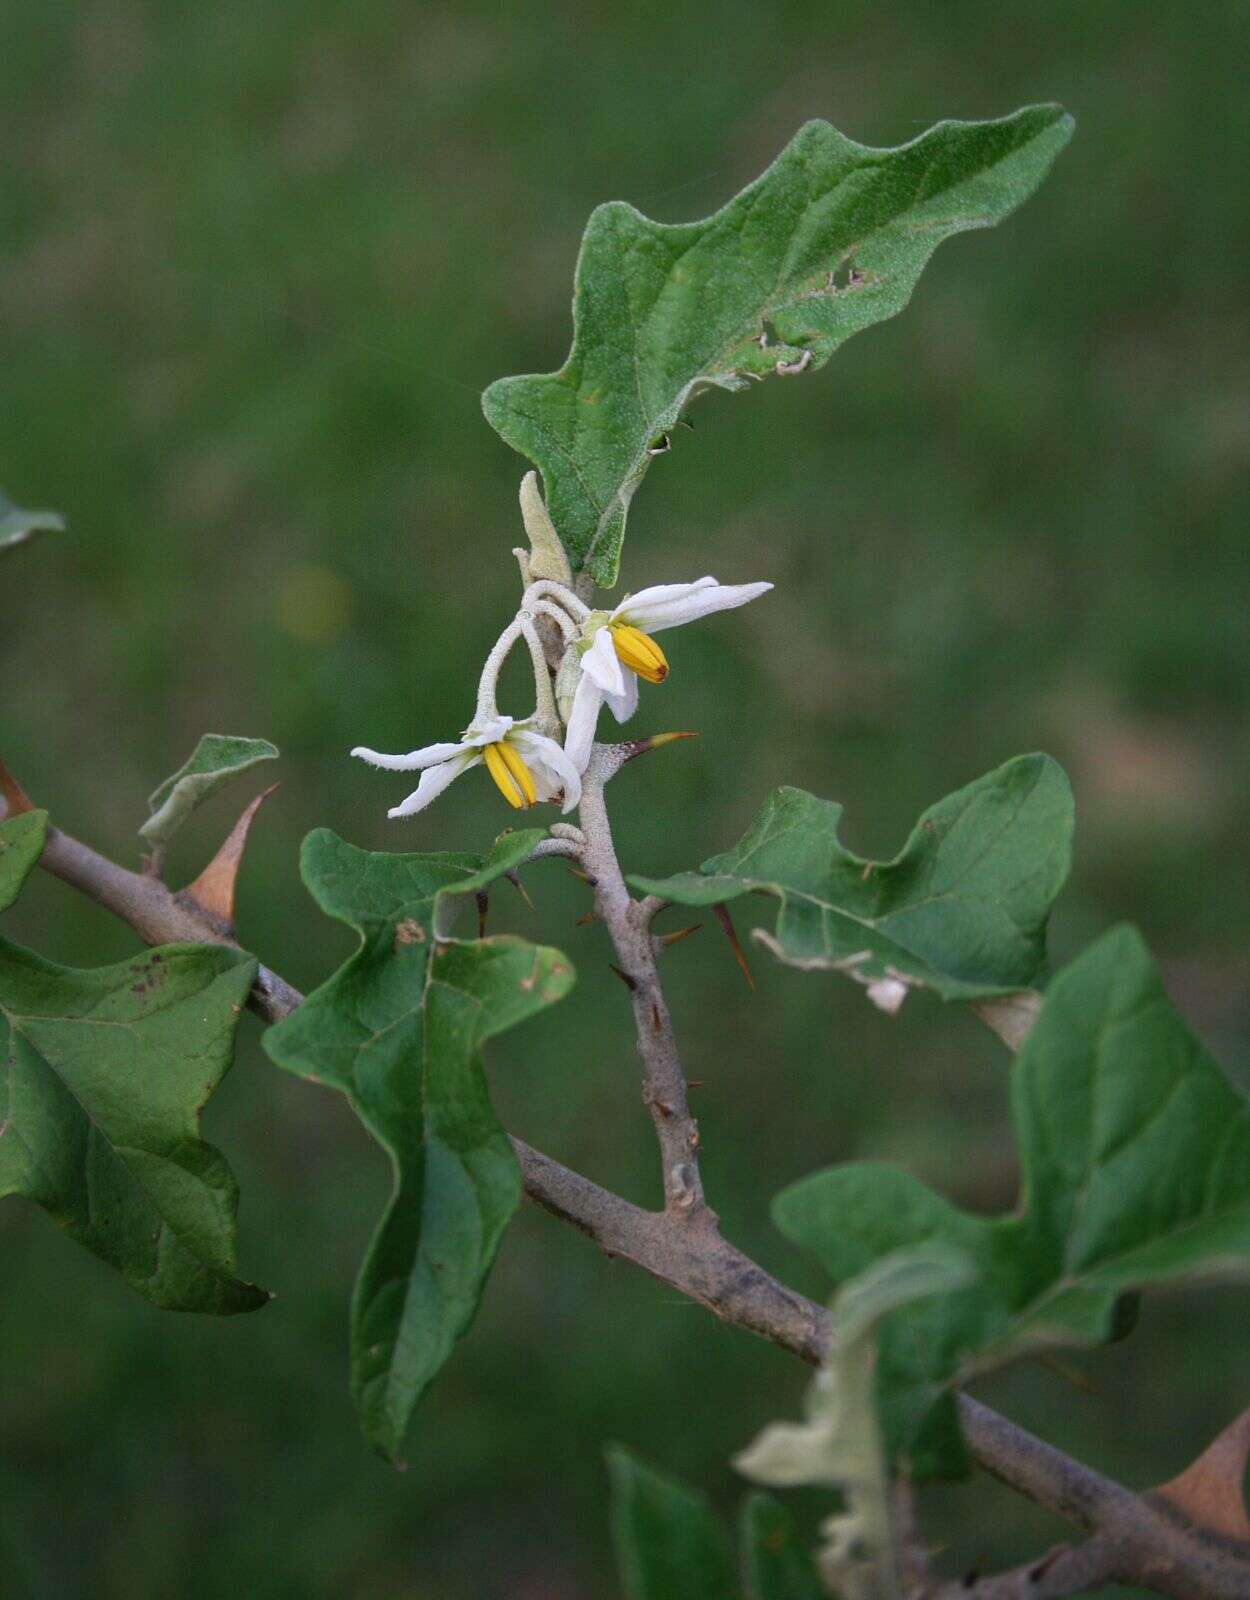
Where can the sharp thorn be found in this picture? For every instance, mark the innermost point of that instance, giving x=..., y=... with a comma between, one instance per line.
x=16, y=800
x=483, y=902
x=726, y=922
x=1211, y=1490
x=625, y=978
x=1040, y=1568
x=1068, y=1371
x=585, y=877
x=640, y=747
x=213, y=890
x=681, y=933
x=514, y=879
x=591, y=916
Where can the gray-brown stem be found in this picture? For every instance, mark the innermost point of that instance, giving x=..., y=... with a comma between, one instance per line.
x=628, y=925
x=1135, y=1538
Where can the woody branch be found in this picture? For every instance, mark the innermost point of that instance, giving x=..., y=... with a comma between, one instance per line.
x=1135, y=1538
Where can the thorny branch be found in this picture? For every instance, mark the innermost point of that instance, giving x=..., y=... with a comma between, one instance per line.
x=1134, y=1538
x=628, y=924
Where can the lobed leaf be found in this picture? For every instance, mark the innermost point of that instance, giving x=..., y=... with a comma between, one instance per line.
x=830, y=239
x=217, y=759
x=106, y=1072
x=962, y=909
x=399, y=1029
x=17, y=525
x=21, y=844
x=669, y=1545
x=1135, y=1155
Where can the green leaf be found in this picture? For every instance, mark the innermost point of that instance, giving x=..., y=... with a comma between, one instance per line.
x=1135, y=1155
x=839, y=1444
x=669, y=1545
x=775, y=1563
x=106, y=1072
x=398, y=1029
x=18, y=525
x=961, y=910
x=831, y=239
x=21, y=845
x=217, y=759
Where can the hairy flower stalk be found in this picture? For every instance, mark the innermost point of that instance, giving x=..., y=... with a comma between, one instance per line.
x=524, y=759
x=605, y=654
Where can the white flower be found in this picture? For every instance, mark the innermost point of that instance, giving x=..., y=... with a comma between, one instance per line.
x=616, y=649
x=526, y=765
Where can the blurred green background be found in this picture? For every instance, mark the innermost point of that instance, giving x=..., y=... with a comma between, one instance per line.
x=257, y=261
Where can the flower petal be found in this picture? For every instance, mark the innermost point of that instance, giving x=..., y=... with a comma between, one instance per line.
x=700, y=600
x=555, y=765
x=624, y=705
x=433, y=781
x=602, y=664
x=579, y=735
x=414, y=761
x=489, y=731
x=657, y=595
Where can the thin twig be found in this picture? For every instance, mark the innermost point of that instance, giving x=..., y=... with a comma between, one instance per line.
x=1136, y=1538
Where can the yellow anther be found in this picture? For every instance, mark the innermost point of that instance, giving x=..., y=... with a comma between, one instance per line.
x=522, y=774
x=639, y=652
x=511, y=775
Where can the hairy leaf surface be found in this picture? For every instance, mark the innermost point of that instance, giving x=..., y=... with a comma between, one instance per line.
x=17, y=525
x=217, y=759
x=399, y=1029
x=1135, y=1156
x=831, y=239
x=669, y=1545
x=961, y=910
x=106, y=1071
x=21, y=845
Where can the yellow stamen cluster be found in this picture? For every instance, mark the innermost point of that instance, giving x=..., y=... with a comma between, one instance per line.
x=639, y=651
x=512, y=777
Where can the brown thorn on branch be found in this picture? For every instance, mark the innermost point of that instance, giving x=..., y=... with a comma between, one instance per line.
x=625, y=978
x=213, y=891
x=726, y=921
x=639, y=747
x=1211, y=1490
x=1068, y=1371
x=681, y=933
x=585, y=877
x=1137, y=1539
x=514, y=878
x=585, y=920
x=483, y=903
x=16, y=800
x=612, y=757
